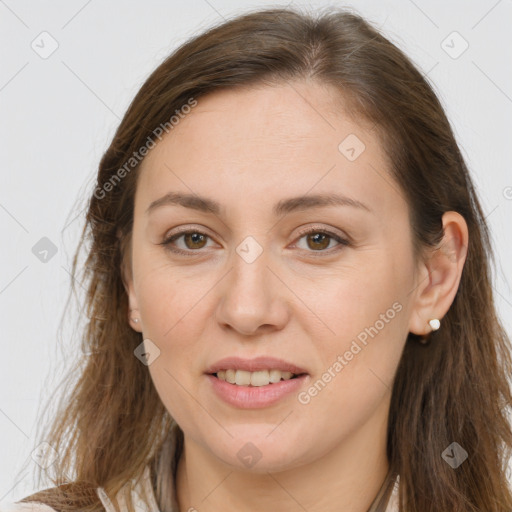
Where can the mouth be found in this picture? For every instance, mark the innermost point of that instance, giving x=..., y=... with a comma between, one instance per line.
x=255, y=379
x=255, y=383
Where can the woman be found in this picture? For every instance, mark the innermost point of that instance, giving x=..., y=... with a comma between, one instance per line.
x=290, y=301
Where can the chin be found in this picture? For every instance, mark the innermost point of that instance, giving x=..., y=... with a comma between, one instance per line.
x=260, y=448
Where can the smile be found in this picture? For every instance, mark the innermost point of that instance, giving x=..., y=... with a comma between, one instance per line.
x=259, y=378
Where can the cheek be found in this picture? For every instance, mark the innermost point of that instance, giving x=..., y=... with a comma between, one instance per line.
x=366, y=316
x=169, y=300
x=174, y=319
x=359, y=365
x=173, y=310
x=355, y=300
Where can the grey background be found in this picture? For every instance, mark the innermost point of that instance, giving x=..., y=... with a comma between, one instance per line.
x=58, y=115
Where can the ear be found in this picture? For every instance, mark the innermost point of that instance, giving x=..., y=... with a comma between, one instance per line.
x=439, y=275
x=127, y=278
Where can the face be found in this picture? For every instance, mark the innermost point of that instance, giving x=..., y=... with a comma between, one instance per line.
x=321, y=285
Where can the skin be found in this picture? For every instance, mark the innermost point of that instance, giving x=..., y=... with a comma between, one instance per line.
x=302, y=302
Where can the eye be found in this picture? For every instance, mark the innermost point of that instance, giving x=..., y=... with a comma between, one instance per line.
x=192, y=238
x=319, y=239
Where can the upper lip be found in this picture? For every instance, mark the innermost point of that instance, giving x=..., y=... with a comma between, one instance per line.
x=254, y=365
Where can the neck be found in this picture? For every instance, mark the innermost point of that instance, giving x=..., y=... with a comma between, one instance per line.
x=347, y=478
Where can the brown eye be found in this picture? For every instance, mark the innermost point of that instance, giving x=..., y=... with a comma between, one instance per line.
x=318, y=241
x=194, y=240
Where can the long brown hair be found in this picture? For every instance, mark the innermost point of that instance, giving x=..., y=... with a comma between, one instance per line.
x=452, y=389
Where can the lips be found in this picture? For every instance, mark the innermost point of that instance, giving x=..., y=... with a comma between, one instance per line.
x=254, y=365
x=249, y=397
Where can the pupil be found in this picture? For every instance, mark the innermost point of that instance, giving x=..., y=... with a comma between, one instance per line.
x=196, y=237
x=323, y=238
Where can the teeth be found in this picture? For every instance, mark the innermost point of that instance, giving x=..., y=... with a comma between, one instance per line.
x=260, y=378
x=275, y=375
x=242, y=378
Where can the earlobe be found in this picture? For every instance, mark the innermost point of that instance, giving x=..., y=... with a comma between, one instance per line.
x=134, y=317
x=133, y=314
x=135, y=320
x=440, y=276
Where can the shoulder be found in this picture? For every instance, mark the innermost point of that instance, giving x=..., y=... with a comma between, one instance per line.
x=67, y=497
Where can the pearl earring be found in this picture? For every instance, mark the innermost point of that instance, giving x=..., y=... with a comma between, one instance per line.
x=434, y=324
x=135, y=319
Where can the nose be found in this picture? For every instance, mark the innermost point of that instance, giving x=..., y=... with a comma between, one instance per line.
x=253, y=299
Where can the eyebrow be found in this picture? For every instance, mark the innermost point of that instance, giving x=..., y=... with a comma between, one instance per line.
x=282, y=207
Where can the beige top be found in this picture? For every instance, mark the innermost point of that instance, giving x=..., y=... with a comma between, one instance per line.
x=143, y=494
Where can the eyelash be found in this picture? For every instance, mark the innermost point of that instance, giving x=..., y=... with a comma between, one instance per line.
x=343, y=242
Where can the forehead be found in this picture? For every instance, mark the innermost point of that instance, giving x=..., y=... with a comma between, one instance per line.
x=250, y=144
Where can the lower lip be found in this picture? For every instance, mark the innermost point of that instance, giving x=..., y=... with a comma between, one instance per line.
x=255, y=397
